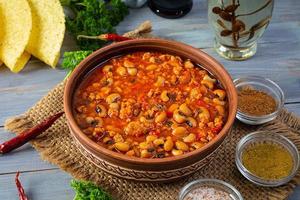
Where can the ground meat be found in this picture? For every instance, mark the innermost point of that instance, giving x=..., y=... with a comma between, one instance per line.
x=129, y=108
x=136, y=128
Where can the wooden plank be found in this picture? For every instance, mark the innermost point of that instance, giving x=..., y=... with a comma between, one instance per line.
x=49, y=185
x=296, y=194
x=43, y=185
x=194, y=28
x=270, y=62
x=24, y=158
x=31, y=76
x=294, y=108
x=200, y=35
x=20, y=91
x=277, y=58
x=27, y=159
x=269, y=59
x=18, y=99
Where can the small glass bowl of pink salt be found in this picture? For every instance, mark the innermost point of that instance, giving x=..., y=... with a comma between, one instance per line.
x=209, y=189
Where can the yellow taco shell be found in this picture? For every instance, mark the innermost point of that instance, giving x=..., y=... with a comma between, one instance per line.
x=16, y=24
x=48, y=29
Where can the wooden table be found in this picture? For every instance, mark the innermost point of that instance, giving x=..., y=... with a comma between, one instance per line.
x=277, y=58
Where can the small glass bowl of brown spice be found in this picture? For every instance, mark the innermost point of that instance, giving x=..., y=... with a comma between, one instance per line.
x=267, y=159
x=209, y=189
x=259, y=99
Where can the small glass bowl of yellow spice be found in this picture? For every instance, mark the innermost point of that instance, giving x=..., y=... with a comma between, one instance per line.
x=267, y=159
x=259, y=99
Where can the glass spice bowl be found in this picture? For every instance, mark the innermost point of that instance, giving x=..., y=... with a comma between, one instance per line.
x=259, y=137
x=264, y=85
x=210, y=183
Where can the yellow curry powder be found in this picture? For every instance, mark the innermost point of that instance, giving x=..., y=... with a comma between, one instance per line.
x=268, y=161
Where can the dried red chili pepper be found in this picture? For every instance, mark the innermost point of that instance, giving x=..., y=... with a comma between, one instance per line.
x=28, y=135
x=22, y=195
x=114, y=37
x=107, y=37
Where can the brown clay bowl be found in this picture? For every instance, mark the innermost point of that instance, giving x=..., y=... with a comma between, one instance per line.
x=143, y=169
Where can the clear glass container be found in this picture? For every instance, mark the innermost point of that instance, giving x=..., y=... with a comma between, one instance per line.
x=215, y=183
x=261, y=137
x=237, y=25
x=261, y=84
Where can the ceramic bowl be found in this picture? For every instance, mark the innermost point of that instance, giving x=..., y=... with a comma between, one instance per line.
x=145, y=169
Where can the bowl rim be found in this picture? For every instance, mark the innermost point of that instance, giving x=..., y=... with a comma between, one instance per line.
x=276, y=138
x=122, y=157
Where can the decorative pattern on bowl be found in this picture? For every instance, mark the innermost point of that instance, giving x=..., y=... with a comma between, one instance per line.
x=145, y=169
x=140, y=175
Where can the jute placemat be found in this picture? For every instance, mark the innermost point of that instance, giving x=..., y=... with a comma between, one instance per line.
x=57, y=147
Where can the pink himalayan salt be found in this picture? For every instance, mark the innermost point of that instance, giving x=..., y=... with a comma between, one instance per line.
x=207, y=193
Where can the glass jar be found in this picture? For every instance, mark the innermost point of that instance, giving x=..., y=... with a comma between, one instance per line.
x=237, y=25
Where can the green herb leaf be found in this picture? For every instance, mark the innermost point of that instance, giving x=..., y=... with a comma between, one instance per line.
x=88, y=191
x=94, y=17
x=72, y=58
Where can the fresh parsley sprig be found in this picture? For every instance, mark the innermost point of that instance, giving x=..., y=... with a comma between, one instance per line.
x=94, y=17
x=72, y=58
x=88, y=191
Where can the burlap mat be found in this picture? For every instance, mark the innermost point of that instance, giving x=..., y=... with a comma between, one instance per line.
x=57, y=147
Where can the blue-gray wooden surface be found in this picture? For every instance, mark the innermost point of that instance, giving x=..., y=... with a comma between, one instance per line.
x=278, y=58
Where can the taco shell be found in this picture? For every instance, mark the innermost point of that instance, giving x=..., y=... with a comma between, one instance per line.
x=16, y=24
x=48, y=29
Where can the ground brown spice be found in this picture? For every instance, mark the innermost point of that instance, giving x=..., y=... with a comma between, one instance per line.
x=254, y=102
